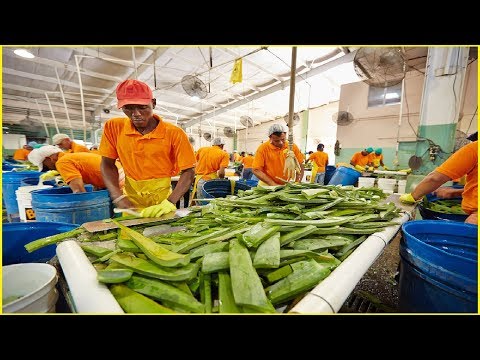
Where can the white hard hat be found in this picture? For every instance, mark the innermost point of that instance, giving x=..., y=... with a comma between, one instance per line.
x=57, y=138
x=37, y=156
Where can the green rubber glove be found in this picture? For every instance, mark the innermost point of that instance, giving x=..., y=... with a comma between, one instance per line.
x=407, y=199
x=359, y=168
x=50, y=174
x=164, y=207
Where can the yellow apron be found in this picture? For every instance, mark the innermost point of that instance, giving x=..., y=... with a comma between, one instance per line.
x=314, y=172
x=211, y=176
x=145, y=193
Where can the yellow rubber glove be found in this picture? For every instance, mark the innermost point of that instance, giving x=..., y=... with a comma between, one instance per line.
x=164, y=207
x=50, y=174
x=292, y=166
x=407, y=199
x=385, y=167
x=359, y=168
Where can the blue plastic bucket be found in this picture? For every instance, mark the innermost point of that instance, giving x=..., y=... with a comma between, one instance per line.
x=429, y=214
x=251, y=183
x=217, y=188
x=16, y=236
x=438, y=267
x=344, y=176
x=9, y=167
x=61, y=205
x=329, y=171
x=34, y=181
x=11, y=181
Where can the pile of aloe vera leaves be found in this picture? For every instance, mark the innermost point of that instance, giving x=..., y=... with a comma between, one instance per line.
x=250, y=253
x=453, y=206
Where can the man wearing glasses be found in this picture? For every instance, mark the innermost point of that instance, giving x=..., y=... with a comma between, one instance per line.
x=150, y=150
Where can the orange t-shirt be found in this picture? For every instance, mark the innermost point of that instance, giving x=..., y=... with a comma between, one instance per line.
x=76, y=148
x=164, y=152
x=375, y=159
x=271, y=160
x=247, y=161
x=21, y=154
x=321, y=160
x=210, y=159
x=464, y=161
x=95, y=151
x=80, y=165
x=359, y=159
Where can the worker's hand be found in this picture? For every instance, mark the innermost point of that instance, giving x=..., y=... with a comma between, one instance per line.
x=407, y=199
x=447, y=193
x=359, y=168
x=472, y=219
x=164, y=207
x=385, y=167
x=50, y=174
x=292, y=166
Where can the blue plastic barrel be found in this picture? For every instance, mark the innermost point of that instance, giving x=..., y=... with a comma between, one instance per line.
x=429, y=214
x=34, y=181
x=11, y=181
x=344, y=176
x=220, y=188
x=61, y=205
x=329, y=170
x=438, y=267
x=15, y=236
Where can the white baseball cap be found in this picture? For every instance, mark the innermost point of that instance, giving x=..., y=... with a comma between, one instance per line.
x=37, y=156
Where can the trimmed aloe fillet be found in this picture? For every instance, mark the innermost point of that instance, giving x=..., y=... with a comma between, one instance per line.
x=114, y=276
x=133, y=302
x=268, y=253
x=206, y=291
x=258, y=234
x=97, y=251
x=151, y=269
x=164, y=292
x=246, y=285
x=225, y=295
x=155, y=251
x=215, y=262
x=279, y=274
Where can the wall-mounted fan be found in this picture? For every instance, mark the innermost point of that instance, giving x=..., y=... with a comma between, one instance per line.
x=380, y=67
x=246, y=121
x=193, y=86
x=228, y=132
x=296, y=119
x=31, y=125
x=207, y=136
x=342, y=118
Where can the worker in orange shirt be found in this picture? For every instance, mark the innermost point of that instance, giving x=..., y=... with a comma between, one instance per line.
x=463, y=162
x=320, y=159
x=361, y=159
x=22, y=154
x=269, y=162
x=76, y=169
x=247, y=162
x=150, y=150
x=64, y=142
x=376, y=158
x=211, y=164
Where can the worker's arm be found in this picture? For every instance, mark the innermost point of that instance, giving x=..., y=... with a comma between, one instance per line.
x=448, y=193
x=183, y=185
x=221, y=172
x=352, y=163
x=77, y=185
x=110, y=178
x=430, y=183
x=300, y=174
x=263, y=177
x=472, y=219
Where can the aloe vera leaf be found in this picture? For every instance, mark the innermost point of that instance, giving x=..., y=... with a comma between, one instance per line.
x=53, y=239
x=311, y=193
x=246, y=285
x=225, y=294
x=162, y=291
x=268, y=253
x=128, y=245
x=207, y=292
x=297, y=234
x=304, y=278
x=350, y=246
x=133, y=302
x=151, y=269
x=97, y=251
x=154, y=251
x=215, y=262
x=208, y=249
x=106, y=257
x=195, y=242
x=114, y=276
x=318, y=223
x=259, y=233
x=278, y=274
x=316, y=244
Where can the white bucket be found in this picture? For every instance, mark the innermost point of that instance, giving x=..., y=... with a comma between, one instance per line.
x=387, y=184
x=402, y=184
x=24, y=200
x=31, y=286
x=366, y=182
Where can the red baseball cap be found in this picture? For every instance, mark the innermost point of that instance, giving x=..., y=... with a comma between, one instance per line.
x=133, y=92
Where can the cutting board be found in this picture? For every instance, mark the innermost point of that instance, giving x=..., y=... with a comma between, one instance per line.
x=101, y=225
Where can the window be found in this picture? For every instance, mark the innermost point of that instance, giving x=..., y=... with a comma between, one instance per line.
x=384, y=96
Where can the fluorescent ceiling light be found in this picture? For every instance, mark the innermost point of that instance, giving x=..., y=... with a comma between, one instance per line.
x=393, y=95
x=24, y=53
